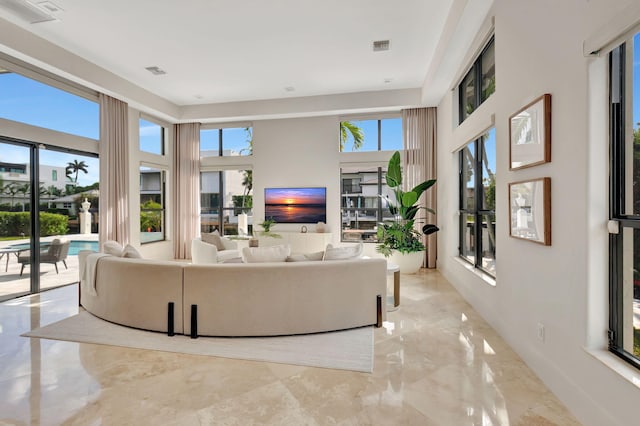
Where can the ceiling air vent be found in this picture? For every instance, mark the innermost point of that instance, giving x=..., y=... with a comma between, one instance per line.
x=26, y=11
x=380, y=45
x=155, y=70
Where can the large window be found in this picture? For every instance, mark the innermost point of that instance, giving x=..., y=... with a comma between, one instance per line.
x=231, y=141
x=29, y=101
x=371, y=135
x=362, y=207
x=224, y=195
x=478, y=202
x=152, y=137
x=479, y=83
x=624, y=320
x=152, y=204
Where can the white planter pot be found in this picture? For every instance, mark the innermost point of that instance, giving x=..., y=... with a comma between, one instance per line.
x=409, y=263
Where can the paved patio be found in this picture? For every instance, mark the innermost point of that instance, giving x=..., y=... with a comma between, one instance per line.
x=13, y=285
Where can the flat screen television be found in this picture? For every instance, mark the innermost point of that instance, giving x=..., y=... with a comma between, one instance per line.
x=296, y=205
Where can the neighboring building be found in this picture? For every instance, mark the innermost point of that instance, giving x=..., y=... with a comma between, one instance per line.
x=16, y=176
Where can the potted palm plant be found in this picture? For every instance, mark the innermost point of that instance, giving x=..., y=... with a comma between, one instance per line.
x=399, y=240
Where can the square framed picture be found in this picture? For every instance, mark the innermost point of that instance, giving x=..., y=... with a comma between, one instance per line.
x=530, y=210
x=530, y=134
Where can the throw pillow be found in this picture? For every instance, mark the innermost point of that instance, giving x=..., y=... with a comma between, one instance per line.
x=213, y=238
x=342, y=253
x=113, y=248
x=233, y=260
x=266, y=254
x=131, y=252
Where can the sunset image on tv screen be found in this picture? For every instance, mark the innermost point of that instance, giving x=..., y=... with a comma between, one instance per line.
x=295, y=205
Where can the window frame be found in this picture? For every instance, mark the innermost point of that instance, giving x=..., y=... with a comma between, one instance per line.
x=478, y=210
x=617, y=201
x=476, y=71
x=163, y=201
x=378, y=118
x=163, y=135
x=220, y=147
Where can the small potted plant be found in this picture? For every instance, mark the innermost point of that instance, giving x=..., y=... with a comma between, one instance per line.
x=398, y=238
x=267, y=225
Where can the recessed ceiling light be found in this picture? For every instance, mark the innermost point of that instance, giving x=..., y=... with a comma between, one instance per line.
x=27, y=11
x=198, y=96
x=155, y=70
x=289, y=89
x=387, y=80
x=50, y=6
x=381, y=45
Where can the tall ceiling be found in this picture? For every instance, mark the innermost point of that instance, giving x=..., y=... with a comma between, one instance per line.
x=221, y=51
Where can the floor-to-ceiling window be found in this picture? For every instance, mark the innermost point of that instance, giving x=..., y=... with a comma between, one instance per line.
x=624, y=210
x=48, y=179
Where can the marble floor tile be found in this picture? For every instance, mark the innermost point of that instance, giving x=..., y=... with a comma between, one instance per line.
x=436, y=362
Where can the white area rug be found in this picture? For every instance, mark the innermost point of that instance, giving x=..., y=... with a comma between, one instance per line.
x=343, y=350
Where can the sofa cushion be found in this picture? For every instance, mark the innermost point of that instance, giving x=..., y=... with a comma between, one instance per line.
x=342, y=253
x=113, y=248
x=131, y=252
x=305, y=257
x=266, y=254
x=213, y=238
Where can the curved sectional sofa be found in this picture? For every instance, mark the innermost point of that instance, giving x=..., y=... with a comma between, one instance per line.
x=254, y=299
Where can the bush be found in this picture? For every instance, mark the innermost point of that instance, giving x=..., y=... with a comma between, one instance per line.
x=18, y=224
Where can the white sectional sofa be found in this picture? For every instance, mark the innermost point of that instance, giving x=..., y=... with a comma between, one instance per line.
x=255, y=299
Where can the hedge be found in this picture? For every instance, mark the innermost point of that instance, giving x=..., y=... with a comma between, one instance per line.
x=17, y=224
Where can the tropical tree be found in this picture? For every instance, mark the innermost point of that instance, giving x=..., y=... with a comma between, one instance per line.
x=348, y=128
x=247, y=175
x=12, y=191
x=75, y=167
x=23, y=189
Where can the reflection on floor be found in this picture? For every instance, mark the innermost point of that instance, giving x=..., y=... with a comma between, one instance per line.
x=436, y=363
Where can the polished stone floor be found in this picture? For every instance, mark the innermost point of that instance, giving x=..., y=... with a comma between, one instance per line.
x=436, y=363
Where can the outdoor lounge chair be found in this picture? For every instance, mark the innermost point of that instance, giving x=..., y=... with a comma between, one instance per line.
x=56, y=252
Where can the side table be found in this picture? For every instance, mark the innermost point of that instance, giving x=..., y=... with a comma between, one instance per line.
x=394, y=301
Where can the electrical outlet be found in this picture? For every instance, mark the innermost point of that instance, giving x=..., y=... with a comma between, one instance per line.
x=541, y=332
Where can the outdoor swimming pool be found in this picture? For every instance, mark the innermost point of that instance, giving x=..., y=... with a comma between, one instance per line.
x=74, y=247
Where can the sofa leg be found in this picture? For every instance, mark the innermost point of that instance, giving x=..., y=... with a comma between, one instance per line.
x=170, y=331
x=379, y=308
x=194, y=321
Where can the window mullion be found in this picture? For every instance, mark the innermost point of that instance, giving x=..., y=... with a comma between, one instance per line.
x=478, y=202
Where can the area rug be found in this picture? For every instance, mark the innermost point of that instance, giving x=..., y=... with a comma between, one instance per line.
x=343, y=350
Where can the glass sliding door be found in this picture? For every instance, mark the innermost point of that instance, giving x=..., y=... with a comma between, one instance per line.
x=16, y=218
x=48, y=212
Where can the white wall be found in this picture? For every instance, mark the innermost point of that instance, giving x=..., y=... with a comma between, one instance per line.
x=539, y=50
x=296, y=153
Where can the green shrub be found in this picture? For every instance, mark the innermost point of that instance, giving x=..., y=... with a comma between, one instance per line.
x=18, y=224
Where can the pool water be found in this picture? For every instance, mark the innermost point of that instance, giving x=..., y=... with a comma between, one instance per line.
x=74, y=247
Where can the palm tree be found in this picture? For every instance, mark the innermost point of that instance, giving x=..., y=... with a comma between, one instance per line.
x=76, y=167
x=24, y=190
x=347, y=128
x=11, y=190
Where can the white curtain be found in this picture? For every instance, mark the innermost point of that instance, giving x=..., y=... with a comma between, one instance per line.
x=419, y=164
x=186, y=187
x=114, y=170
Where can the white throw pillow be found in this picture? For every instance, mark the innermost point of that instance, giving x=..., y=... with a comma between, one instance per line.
x=113, y=248
x=342, y=253
x=131, y=252
x=266, y=254
x=213, y=238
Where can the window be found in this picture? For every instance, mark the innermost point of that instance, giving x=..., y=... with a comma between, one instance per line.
x=54, y=175
x=371, y=135
x=152, y=204
x=624, y=203
x=152, y=137
x=232, y=141
x=225, y=194
x=28, y=101
x=479, y=83
x=478, y=202
x=361, y=205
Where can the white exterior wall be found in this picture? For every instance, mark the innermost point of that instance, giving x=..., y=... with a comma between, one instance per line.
x=539, y=49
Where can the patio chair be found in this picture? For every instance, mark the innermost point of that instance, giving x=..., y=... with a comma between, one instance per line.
x=56, y=252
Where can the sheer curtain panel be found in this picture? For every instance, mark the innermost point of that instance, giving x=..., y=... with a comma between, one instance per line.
x=114, y=170
x=186, y=187
x=419, y=164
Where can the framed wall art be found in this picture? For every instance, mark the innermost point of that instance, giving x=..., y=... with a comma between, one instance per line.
x=530, y=134
x=530, y=210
